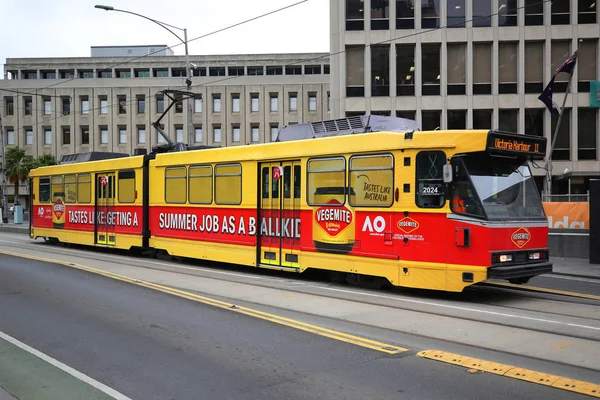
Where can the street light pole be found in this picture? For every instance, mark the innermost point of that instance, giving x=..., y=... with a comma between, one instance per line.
x=4, y=215
x=188, y=76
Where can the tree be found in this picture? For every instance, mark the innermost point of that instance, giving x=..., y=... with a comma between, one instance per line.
x=18, y=165
x=45, y=160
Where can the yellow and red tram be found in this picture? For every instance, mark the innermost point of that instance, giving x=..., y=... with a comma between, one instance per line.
x=436, y=210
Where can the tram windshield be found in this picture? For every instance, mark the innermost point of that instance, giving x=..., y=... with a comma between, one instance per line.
x=496, y=189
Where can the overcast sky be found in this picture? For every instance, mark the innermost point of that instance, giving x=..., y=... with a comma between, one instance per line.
x=68, y=28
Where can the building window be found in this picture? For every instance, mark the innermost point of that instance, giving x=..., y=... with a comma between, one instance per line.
x=456, y=13
x=328, y=101
x=29, y=74
x=198, y=134
x=66, y=135
x=178, y=72
x=430, y=14
x=103, y=135
x=507, y=66
x=482, y=68
x=586, y=64
x=274, y=104
x=85, y=105
x=562, y=149
x=380, y=70
x=508, y=120
x=161, y=73
x=312, y=69
x=235, y=103
x=586, y=12
x=103, y=105
x=47, y=136
x=293, y=70
x=197, y=105
x=217, y=133
x=587, y=120
x=254, y=102
x=380, y=15
x=534, y=71
x=275, y=70
x=48, y=74
x=199, y=71
x=66, y=105
x=534, y=12
x=252, y=71
x=456, y=68
x=179, y=134
x=85, y=135
x=405, y=69
x=122, y=135
x=482, y=119
x=482, y=11
x=67, y=74
x=560, y=13
x=235, y=133
x=293, y=102
x=85, y=74
x=355, y=15
x=405, y=14
x=457, y=119
x=141, y=104
x=430, y=61
x=534, y=121
x=312, y=102
x=28, y=105
x=160, y=104
x=560, y=51
x=141, y=73
x=10, y=137
x=160, y=138
x=123, y=73
x=274, y=132
x=141, y=135
x=430, y=119
x=47, y=106
x=216, y=71
x=104, y=74
x=9, y=106
x=122, y=104
x=255, y=133
x=235, y=71
x=355, y=71
x=178, y=104
x=216, y=103
x=28, y=136
x=507, y=12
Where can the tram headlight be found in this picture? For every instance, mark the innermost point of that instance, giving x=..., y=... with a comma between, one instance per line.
x=505, y=257
x=535, y=256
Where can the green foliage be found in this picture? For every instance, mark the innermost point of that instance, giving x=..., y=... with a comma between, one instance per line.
x=18, y=165
x=45, y=160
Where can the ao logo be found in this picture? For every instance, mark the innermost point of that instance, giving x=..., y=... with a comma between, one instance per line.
x=378, y=224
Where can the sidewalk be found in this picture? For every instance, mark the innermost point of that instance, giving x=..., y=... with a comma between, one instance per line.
x=561, y=266
x=4, y=395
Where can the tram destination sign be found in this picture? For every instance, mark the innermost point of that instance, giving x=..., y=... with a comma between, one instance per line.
x=511, y=143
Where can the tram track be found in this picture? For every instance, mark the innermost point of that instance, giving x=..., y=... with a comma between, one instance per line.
x=460, y=306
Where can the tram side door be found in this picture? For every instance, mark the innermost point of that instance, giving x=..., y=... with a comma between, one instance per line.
x=105, y=203
x=279, y=214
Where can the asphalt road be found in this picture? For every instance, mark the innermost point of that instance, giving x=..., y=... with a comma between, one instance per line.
x=568, y=283
x=150, y=345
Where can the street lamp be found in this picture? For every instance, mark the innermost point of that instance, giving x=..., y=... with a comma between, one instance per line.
x=188, y=80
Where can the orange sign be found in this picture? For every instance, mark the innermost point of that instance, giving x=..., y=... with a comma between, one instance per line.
x=520, y=237
x=565, y=215
x=407, y=225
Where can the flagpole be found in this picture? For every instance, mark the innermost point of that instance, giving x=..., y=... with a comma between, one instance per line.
x=548, y=166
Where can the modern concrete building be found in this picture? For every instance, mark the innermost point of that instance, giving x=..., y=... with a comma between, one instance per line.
x=474, y=64
x=71, y=105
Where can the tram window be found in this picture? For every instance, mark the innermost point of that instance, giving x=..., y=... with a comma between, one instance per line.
x=297, y=180
x=84, y=188
x=372, y=180
x=228, y=184
x=58, y=188
x=44, y=189
x=326, y=181
x=430, y=180
x=274, y=185
x=176, y=185
x=265, y=182
x=126, y=186
x=70, y=188
x=200, y=184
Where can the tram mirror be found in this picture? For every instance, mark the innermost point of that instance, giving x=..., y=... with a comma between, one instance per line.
x=447, y=172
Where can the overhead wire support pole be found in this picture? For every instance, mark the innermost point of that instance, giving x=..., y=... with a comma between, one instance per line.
x=4, y=195
x=188, y=74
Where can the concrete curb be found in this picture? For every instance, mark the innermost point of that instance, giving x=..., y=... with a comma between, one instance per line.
x=14, y=229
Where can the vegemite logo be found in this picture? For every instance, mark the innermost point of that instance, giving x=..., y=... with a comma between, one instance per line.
x=333, y=219
x=407, y=225
x=59, y=208
x=520, y=237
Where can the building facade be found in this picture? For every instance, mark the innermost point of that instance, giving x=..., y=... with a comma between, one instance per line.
x=454, y=64
x=72, y=105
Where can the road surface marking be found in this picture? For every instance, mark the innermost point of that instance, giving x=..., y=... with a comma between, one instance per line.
x=81, y=376
x=292, y=323
x=555, y=381
x=544, y=290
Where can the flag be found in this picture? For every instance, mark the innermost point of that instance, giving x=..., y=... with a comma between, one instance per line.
x=546, y=97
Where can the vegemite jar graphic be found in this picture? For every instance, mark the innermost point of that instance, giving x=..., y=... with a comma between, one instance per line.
x=333, y=222
x=58, y=212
